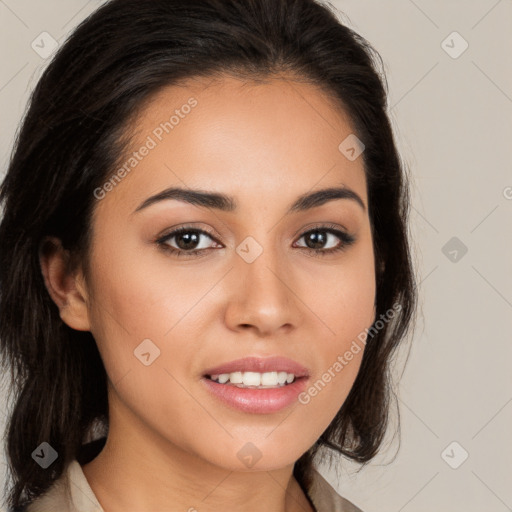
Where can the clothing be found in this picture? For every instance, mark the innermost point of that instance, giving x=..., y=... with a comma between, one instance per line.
x=72, y=493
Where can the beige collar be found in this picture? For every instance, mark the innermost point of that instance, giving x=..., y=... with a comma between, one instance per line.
x=72, y=493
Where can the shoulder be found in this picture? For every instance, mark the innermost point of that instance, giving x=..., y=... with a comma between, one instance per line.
x=70, y=493
x=55, y=498
x=325, y=498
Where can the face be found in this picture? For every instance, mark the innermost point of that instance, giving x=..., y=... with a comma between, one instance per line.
x=249, y=276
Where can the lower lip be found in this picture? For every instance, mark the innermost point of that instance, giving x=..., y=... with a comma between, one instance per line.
x=257, y=401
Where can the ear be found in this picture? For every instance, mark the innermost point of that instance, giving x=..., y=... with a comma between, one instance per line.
x=67, y=289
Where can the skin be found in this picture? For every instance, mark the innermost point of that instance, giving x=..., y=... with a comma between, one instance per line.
x=171, y=445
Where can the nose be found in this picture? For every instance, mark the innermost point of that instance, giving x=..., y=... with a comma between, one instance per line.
x=264, y=296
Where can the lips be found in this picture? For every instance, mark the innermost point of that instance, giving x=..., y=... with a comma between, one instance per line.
x=256, y=401
x=260, y=365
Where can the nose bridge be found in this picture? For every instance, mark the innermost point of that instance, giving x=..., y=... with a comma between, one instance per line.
x=262, y=297
x=261, y=265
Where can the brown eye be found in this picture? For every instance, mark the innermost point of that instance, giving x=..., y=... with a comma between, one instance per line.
x=318, y=237
x=186, y=241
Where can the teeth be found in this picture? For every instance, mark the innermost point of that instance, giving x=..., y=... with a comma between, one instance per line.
x=251, y=379
x=255, y=379
x=234, y=378
x=224, y=378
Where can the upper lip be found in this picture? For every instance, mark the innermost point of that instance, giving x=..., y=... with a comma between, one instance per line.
x=260, y=365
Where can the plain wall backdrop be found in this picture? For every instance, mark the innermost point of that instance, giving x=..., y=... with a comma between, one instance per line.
x=449, y=70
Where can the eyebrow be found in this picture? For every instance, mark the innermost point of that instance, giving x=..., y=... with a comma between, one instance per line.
x=225, y=203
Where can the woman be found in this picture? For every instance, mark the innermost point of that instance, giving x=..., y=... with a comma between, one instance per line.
x=205, y=269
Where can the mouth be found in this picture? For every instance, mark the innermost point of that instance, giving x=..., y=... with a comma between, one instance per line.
x=255, y=380
x=259, y=372
x=257, y=385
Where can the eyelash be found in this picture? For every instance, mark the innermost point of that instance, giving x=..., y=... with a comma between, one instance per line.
x=346, y=240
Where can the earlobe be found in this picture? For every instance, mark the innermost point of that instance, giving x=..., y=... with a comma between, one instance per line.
x=65, y=287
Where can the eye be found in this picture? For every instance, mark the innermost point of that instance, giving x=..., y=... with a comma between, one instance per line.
x=326, y=234
x=186, y=241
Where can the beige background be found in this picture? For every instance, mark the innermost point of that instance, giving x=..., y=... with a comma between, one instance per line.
x=453, y=122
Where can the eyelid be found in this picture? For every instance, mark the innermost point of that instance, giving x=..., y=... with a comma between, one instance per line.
x=189, y=227
x=346, y=239
x=320, y=225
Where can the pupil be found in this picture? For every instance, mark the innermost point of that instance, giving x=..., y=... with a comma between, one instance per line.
x=191, y=240
x=317, y=238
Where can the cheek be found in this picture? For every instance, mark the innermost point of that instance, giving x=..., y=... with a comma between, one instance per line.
x=123, y=305
x=140, y=295
x=348, y=313
x=139, y=290
x=344, y=300
x=342, y=295
x=137, y=307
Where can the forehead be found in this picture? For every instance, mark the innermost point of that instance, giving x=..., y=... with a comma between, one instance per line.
x=264, y=142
